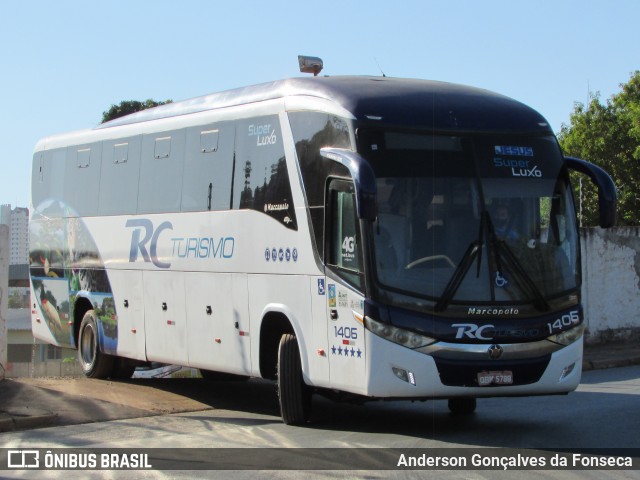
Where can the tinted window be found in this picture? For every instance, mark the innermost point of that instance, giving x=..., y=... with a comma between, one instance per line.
x=344, y=245
x=311, y=132
x=261, y=180
x=120, y=175
x=208, y=166
x=161, y=166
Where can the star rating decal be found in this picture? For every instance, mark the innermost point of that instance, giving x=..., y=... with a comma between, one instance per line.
x=346, y=352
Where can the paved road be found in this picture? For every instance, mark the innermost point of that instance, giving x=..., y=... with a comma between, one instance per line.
x=603, y=413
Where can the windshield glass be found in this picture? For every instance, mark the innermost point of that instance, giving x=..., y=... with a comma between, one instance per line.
x=472, y=219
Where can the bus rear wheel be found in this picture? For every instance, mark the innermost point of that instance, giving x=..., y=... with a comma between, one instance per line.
x=294, y=395
x=94, y=363
x=462, y=405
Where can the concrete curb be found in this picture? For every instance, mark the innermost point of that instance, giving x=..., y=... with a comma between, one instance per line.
x=601, y=363
x=610, y=355
x=25, y=419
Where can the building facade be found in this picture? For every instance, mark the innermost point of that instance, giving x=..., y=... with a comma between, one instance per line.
x=18, y=221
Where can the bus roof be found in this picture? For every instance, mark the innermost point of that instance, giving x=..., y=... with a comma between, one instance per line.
x=381, y=100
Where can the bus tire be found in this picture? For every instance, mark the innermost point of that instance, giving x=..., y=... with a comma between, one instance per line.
x=94, y=363
x=294, y=396
x=462, y=405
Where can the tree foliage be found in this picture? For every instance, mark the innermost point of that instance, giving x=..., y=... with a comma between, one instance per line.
x=609, y=136
x=129, y=106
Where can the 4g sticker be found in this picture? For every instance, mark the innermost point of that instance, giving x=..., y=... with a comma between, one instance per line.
x=348, y=249
x=349, y=244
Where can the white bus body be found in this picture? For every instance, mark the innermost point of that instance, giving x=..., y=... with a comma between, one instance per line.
x=242, y=233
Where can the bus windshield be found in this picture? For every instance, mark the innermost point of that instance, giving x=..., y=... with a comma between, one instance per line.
x=470, y=219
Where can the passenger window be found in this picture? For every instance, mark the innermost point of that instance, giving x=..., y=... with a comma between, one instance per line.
x=208, y=167
x=161, y=172
x=261, y=179
x=81, y=176
x=344, y=245
x=119, y=176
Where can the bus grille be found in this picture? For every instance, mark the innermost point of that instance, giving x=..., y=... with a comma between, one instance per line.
x=464, y=373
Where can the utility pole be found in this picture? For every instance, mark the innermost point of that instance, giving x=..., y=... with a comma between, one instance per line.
x=4, y=295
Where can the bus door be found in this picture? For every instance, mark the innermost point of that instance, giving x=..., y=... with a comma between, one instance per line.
x=344, y=284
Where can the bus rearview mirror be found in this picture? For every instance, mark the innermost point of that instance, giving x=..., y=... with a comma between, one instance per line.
x=607, y=197
x=363, y=177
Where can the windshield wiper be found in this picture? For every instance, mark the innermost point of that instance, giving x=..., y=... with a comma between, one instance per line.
x=527, y=286
x=522, y=278
x=474, y=250
x=458, y=276
x=500, y=251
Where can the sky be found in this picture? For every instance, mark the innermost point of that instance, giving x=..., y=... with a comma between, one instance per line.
x=63, y=63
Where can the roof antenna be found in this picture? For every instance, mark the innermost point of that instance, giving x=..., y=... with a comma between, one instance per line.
x=310, y=64
x=379, y=68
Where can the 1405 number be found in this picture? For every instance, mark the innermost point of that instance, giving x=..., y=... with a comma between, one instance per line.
x=350, y=333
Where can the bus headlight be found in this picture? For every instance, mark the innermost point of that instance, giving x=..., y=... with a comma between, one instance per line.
x=568, y=336
x=397, y=335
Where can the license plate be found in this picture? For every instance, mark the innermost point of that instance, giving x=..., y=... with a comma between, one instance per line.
x=495, y=378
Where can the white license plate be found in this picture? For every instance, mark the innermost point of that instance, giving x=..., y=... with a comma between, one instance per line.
x=495, y=378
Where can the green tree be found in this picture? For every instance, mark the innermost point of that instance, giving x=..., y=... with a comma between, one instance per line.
x=609, y=136
x=129, y=106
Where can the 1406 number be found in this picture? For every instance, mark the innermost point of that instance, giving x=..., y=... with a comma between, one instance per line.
x=569, y=320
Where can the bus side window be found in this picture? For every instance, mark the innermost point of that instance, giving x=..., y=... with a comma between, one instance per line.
x=343, y=233
x=161, y=172
x=208, y=167
x=261, y=179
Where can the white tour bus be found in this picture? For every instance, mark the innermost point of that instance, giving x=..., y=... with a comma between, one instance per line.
x=365, y=237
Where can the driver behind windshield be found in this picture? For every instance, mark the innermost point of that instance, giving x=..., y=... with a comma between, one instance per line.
x=502, y=223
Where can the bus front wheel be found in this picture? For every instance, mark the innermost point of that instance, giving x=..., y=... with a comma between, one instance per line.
x=94, y=363
x=294, y=395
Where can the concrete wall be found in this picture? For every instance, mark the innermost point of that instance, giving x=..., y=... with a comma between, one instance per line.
x=4, y=295
x=43, y=369
x=611, y=286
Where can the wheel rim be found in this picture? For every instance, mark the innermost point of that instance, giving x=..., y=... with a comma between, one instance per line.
x=88, y=346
